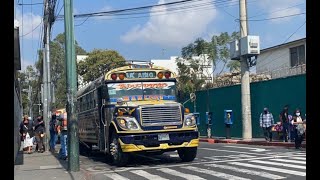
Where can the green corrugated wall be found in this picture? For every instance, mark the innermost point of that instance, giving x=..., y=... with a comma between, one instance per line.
x=273, y=94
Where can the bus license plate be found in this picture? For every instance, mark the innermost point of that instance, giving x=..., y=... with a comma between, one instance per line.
x=163, y=137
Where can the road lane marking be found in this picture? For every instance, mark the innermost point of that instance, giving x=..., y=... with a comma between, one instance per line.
x=251, y=149
x=279, y=164
x=115, y=176
x=214, y=173
x=276, y=169
x=247, y=171
x=298, y=158
x=147, y=175
x=179, y=174
x=289, y=161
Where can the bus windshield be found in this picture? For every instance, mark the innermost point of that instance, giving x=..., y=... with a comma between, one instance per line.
x=135, y=91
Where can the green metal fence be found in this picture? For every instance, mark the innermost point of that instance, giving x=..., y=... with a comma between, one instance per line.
x=273, y=94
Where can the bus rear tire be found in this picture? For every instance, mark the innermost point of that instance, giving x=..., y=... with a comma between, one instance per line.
x=187, y=154
x=118, y=157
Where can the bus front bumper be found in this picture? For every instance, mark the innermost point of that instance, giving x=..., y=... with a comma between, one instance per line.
x=150, y=142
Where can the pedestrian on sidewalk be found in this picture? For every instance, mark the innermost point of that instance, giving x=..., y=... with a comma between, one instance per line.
x=39, y=134
x=291, y=134
x=284, y=119
x=27, y=132
x=53, y=131
x=62, y=130
x=266, y=123
x=297, y=121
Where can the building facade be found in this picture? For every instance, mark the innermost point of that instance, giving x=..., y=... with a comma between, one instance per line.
x=283, y=60
x=171, y=64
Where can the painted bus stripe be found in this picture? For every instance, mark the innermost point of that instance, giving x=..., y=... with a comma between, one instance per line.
x=276, y=169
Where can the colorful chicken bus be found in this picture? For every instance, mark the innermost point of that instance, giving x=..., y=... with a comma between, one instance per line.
x=133, y=109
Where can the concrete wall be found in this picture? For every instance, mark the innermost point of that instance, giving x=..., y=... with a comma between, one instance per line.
x=276, y=58
x=17, y=118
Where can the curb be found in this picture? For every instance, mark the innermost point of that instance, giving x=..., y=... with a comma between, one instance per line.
x=260, y=143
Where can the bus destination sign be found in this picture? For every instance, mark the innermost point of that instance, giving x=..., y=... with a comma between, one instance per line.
x=141, y=74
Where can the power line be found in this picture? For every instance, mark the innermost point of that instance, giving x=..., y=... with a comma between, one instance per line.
x=283, y=43
x=132, y=10
x=32, y=29
x=295, y=31
x=30, y=4
x=279, y=17
x=260, y=14
x=203, y=6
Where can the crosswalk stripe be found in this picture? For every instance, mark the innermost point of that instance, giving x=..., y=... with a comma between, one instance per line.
x=289, y=161
x=247, y=171
x=179, y=174
x=147, y=175
x=298, y=158
x=215, y=173
x=115, y=176
x=279, y=164
x=287, y=171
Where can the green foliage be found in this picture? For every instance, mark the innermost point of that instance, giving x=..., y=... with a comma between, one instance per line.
x=212, y=52
x=58, y=68
x=99, y=62
x=28, y=77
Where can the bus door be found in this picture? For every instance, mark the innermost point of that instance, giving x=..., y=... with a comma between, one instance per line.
x=102, y=122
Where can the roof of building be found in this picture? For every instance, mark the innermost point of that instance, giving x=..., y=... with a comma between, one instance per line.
x=284, y=44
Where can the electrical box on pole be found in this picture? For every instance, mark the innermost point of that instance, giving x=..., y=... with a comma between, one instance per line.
x=234, y=50
x=250, y=46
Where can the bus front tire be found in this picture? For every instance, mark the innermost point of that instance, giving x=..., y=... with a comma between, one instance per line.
x=118, y=157
x=187, y=154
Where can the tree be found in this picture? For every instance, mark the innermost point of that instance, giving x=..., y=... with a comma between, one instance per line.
x=28, y=77
x=58, y=68
x=214, y=52
x=98, y=62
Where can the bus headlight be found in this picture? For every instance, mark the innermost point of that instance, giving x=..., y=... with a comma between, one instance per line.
x=189, y=120
x=128, y=123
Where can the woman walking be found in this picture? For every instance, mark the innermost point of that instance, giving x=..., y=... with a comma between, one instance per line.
x=26, y=130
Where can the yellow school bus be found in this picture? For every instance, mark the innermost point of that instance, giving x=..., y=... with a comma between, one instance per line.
x=134, y=109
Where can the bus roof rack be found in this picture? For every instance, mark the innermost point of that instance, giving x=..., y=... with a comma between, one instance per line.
x=139, y=62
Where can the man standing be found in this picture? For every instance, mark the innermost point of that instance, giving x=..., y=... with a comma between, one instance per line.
x=53, y=131
x=284, y=119
x=266, y=122
x=62, y=129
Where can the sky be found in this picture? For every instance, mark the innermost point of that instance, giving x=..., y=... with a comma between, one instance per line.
x=159, y=36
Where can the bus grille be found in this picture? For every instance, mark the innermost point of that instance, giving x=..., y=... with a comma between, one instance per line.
x=160, y=115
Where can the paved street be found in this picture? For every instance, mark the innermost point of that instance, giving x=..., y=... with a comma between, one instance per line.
x=214, y=161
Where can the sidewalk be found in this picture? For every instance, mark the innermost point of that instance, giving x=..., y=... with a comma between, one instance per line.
x=40, y=166
x=253, y=141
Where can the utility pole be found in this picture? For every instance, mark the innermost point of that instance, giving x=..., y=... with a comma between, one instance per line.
x=245, y=78
x=73, y=140
x=46, y=96
x=30, y=100
x=48, y=68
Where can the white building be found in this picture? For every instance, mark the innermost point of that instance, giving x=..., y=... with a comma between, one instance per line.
x=172, y=65
x=167, y=63
x=283, y=60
